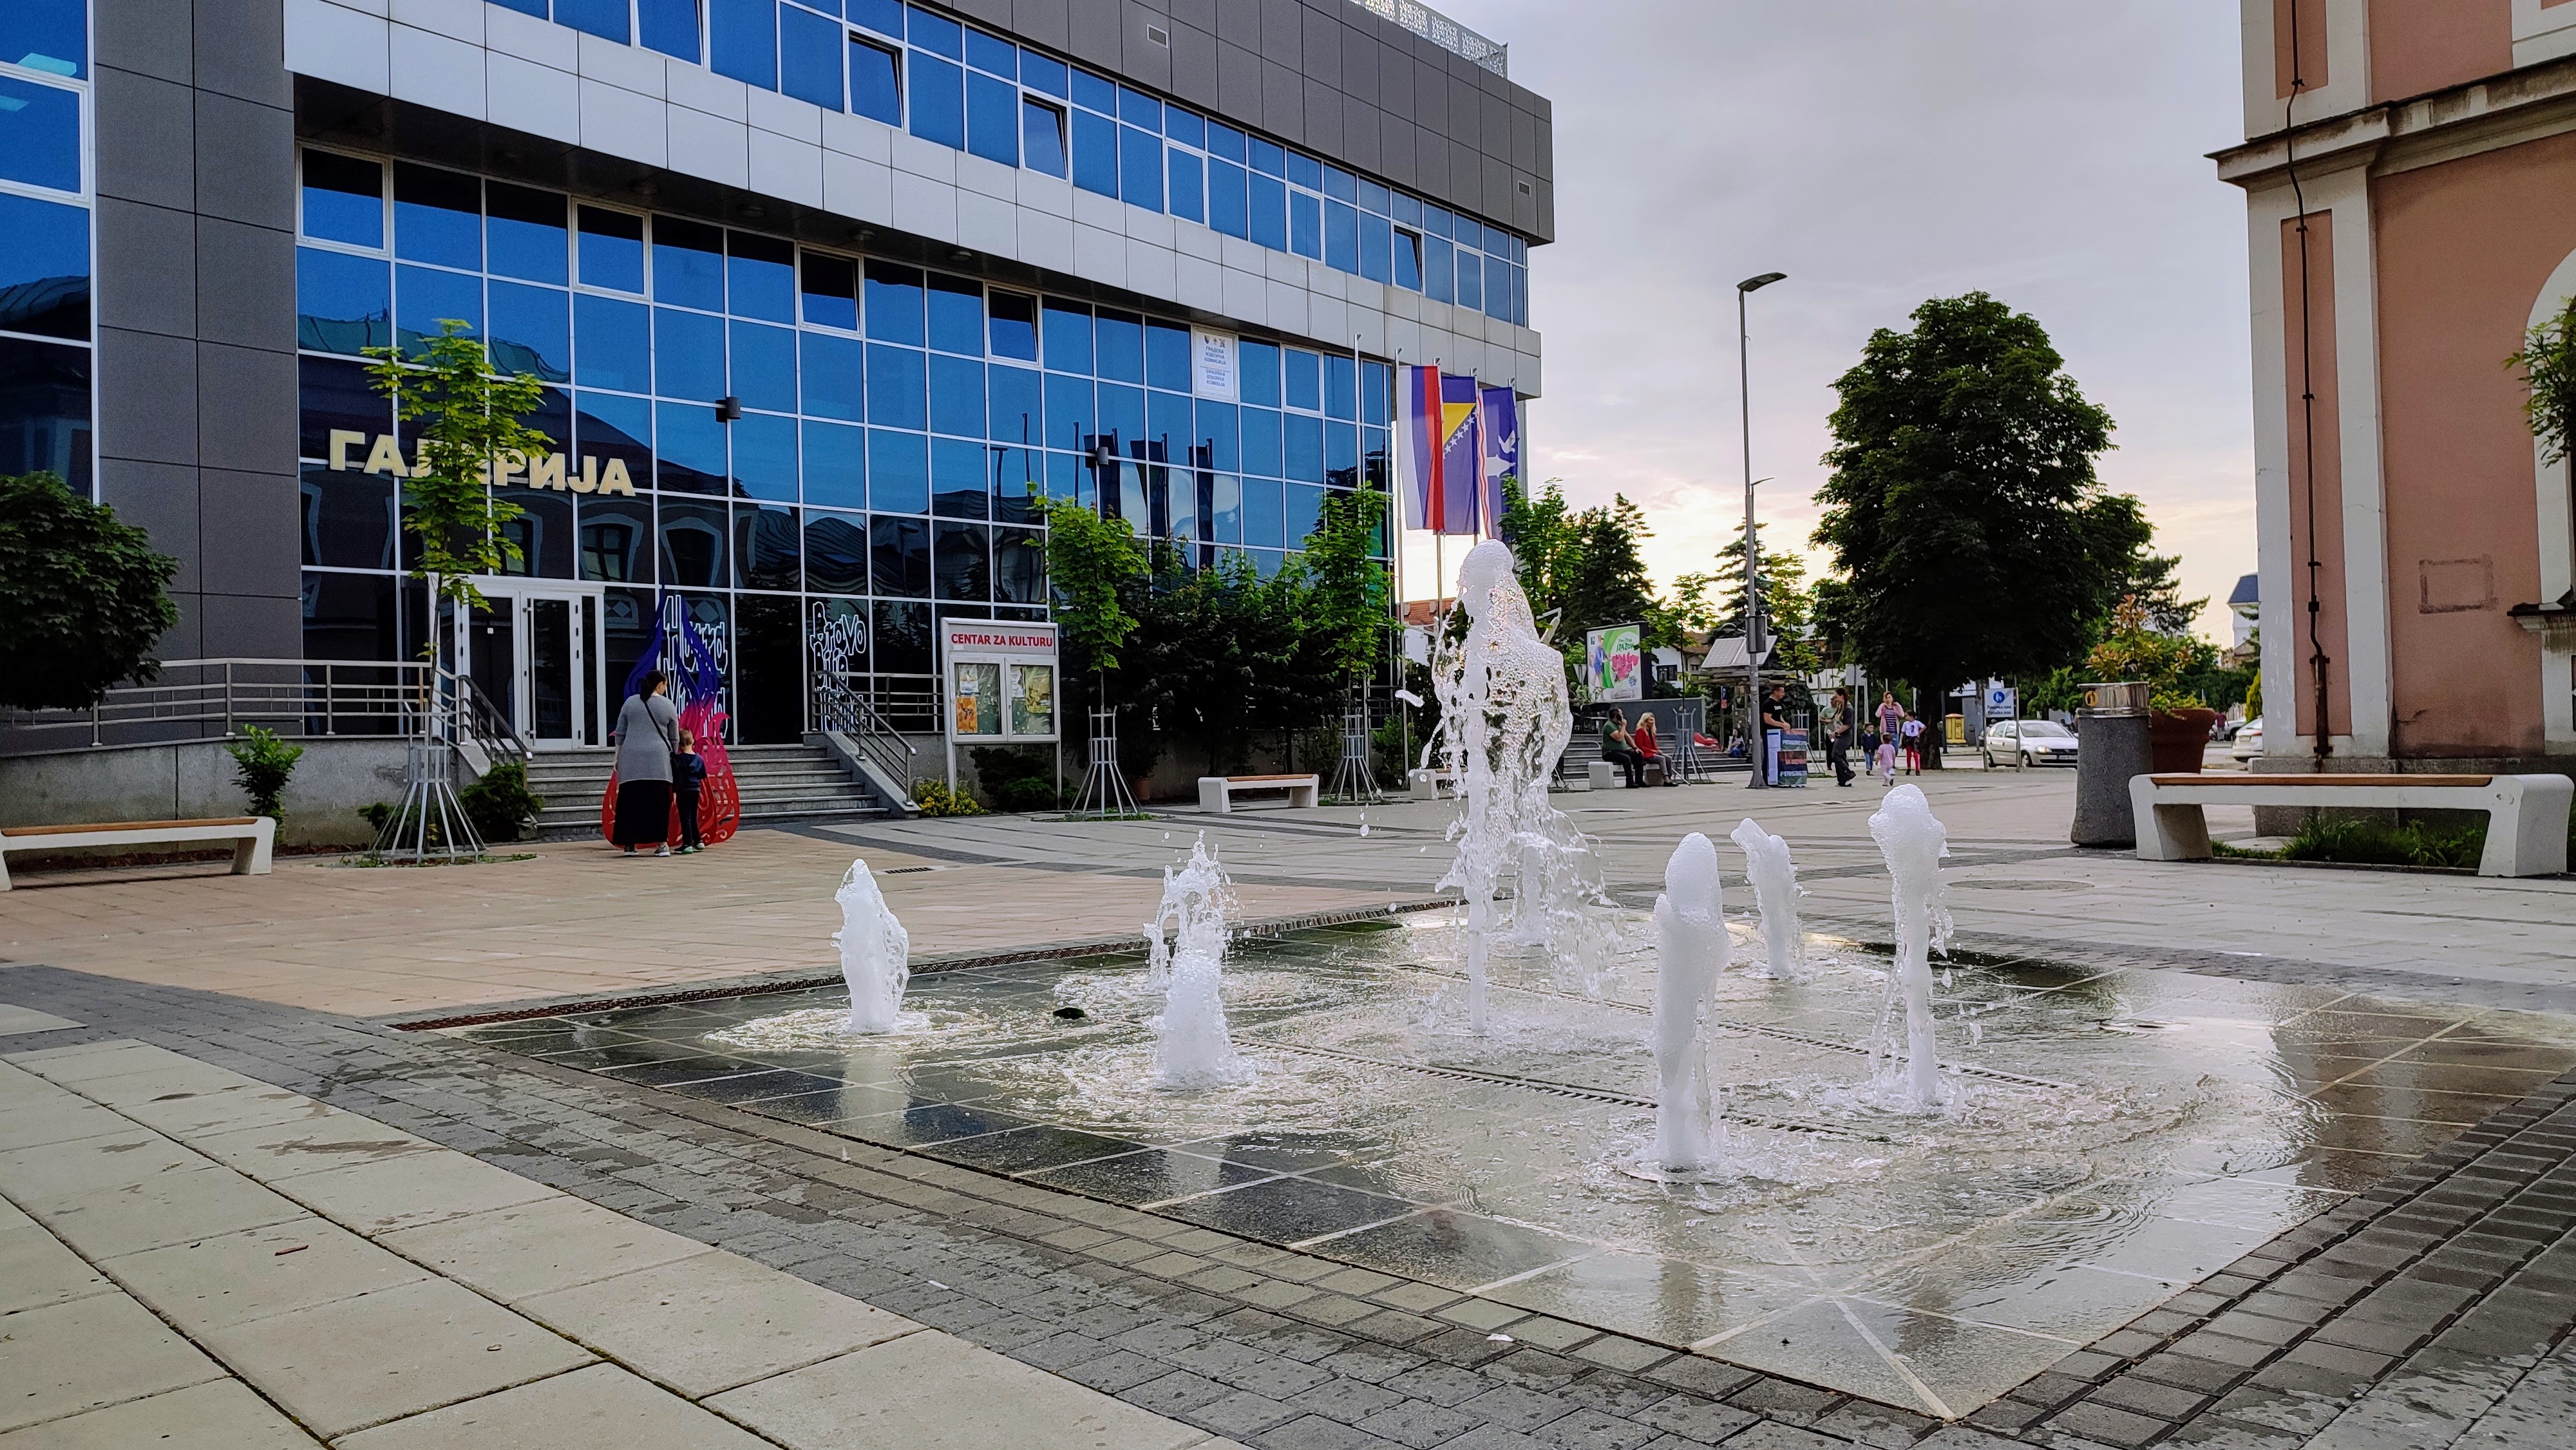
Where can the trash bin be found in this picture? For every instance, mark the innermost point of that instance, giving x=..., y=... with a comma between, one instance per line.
x=2112, y=745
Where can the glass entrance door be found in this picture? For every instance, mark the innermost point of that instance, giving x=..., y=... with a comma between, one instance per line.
x=535, y=652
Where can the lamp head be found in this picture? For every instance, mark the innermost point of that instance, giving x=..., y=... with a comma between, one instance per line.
x=1756, y=284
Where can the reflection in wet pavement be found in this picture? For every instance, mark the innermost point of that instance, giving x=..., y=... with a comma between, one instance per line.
x=2116, y=1136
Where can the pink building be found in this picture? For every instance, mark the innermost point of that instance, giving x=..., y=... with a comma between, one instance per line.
x=2410, y=181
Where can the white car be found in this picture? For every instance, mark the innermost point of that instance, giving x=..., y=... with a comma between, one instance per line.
x=2249, y=740
x=2029, y=742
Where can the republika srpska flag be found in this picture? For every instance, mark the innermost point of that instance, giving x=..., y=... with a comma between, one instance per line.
x=1439, y=453
x=1498, y=418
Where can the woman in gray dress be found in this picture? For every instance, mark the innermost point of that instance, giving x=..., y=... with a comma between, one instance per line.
x=648, y=731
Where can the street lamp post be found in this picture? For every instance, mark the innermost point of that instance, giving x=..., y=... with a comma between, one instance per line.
x=1754, y=734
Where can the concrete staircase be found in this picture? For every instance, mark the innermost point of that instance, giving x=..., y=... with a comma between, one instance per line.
x=778, y=783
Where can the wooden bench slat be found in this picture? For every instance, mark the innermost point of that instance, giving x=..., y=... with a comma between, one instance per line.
x=1239, y=779
x=15, y=831
x=2227, y=778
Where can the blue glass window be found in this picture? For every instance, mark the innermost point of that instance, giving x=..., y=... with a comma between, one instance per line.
x=836, y=551
x=1218, y=433
x=992, y=120
x=767, y=542
x=1095, y=92
x=1181, y=505
x=1377, y=386
x=992, y=53
x=1471, y=281
x=1139, y=109
x=612, y=249
x=809, y=57
x=1261, y=442
x=1305, y=171
x=1188, y=185
x=956, y=395
x=1305, y=448
x=1257, y=373
x=1019, y=415
x=344, y=199
x=1302, y=510
x=603, y=18
x=1376, y=263
x=761, y=273
x=694, y=536
x=1019, y=555
x=688, y=264
x=524, y=233
x=1341, y=237
x=1140, y=167
x=895, y=387
x=690, y=448
x=898, y=474
x=1498, y=287
x=894, y=304
x=1439, y=270
x=875, y=90
x=46, y=35
x=1269, y=157
x=764, y=367
x=1373, y=198
x=1438, y=222
x=531, y=331
x=1068, y=336
x=836, y=465
x=1226, y=199
x=1167, y=357
x=1225, y=142
x=1064, y=476
x=764, y=465
x=613, y=344
x=1263, y=526
x=1122, y=412
x=1185, y=127
x=1340, y=185
x=938, y=99
x=936, y=34
x=742, y=41
x=424, y=297
x=1408, y=260
x=1120, y=338
x=1169, y=424
x=1071, y=418
x=1305, y=225
x=831, y=288
x=1095, y=153
x=1269, y=213
x=1342, y=454
x=957, y=315
x=606, y=426
x=1520, y=295
x=1042, y=136
x=960, y=556
x=669, y=26
x=688, y=355
x=1408, y=210
x=1015, y=326
x=1039, y=73
x=885, y=17
x=959, y=479
x=1225, y=509
x=1305, y=380
x=438, y=215
x=1341, y=399
x=832, y=376
x=899, y=555
x=343, y=303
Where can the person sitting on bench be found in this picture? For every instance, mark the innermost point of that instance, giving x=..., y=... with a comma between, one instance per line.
x=1643, y=737
x=1619, y=748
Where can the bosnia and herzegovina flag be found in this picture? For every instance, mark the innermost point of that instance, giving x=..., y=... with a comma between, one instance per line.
x=1440, y=451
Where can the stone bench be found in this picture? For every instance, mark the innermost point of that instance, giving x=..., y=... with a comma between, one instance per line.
x=2526, y=814
x=1217, y=792
x=254, y=839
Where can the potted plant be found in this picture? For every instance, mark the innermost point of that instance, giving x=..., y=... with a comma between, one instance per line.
x=2179, y=725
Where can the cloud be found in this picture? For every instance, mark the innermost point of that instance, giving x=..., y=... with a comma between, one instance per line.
x=1882, y=153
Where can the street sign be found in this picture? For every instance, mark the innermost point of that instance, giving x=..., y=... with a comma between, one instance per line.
x=2002, y=702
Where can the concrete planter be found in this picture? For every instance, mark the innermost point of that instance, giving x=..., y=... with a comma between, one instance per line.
x=2176, y=739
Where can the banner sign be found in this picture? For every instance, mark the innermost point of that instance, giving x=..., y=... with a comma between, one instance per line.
x=1498, y=418
x=1614, y=662
x=1001, y=678
x=1212, y=366
x=2000, y=702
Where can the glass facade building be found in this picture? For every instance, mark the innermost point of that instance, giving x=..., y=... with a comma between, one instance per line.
x=45, y=345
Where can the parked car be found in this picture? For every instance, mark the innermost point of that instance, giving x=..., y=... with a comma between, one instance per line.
x=2226, y=729
x=2248, y=742
x=2029, y=742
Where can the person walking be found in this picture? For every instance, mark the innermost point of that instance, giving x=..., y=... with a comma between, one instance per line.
x=1891, y=719
x=1838, y=737
x=688, y=776
x=1620, y=749
x=1912, y=730
x=647, y=736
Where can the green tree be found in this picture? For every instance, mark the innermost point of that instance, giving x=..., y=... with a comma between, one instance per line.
x=82, y=598
x=1216, y=656
x=1091, y=563
x=473, y=429
x=1345, y=620
x=1543, y=535
x=2547, y=362
x=1605, y=580
x=1963, y=513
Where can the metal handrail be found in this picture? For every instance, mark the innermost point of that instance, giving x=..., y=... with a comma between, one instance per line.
x=482, y=720
x=313, y=698
x=839, y=708
x=1443, y=32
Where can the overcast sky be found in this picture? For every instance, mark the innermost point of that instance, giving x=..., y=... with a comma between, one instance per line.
x=1882, y=152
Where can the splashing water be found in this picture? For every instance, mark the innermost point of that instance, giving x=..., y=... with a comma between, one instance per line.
x=1690, y=954
x=1191, y=1047
x=1913, y=840
x=875, y=952
x=1504, y=721
x=1775, y=887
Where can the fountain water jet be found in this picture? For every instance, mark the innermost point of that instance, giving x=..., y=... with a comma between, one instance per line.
x=1913, y=840
x=1690, y=954
x=1775, y=887
x=1191, y=1048
x=1504, y=722
x=875, y=952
